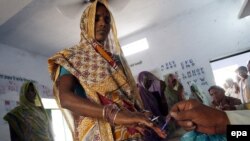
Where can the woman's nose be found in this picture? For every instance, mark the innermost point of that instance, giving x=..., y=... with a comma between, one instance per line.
x=102, y=22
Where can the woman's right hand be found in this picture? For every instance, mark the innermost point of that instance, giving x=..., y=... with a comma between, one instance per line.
x=138, y=120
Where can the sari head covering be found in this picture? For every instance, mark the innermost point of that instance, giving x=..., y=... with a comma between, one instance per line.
x=156, y=85
x=152, y=91
x=98, y=75
x=29, y=121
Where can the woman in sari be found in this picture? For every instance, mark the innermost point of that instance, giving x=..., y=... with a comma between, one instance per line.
x=174, y=92
x=151, y=90
x=94, y=86
x=29, y=121
x=152, y=93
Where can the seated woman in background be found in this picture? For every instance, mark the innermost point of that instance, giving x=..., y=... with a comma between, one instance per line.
x=29, y=121
x=93, y=82
x=220, y=101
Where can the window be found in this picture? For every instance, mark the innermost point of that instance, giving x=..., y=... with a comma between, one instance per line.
x=135, y=47
x=60, y=126
x=225, y=67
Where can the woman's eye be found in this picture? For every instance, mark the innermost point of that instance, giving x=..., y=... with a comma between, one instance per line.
x=96, y=18
x=107, y=20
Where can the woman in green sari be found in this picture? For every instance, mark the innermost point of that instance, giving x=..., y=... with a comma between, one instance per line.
x=29, y=121
x=174, y=93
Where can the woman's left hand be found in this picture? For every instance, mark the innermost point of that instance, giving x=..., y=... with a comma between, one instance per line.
x=138, y=120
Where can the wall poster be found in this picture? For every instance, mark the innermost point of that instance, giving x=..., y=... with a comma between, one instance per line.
x=188, y=73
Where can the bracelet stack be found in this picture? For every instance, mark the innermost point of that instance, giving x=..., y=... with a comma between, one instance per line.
x=110, y=112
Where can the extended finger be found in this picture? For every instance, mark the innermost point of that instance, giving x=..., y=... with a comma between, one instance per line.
x=183, y=115
x=185, y=105
x=186, y=124
x=159, y=132
x=146, y=122
x=143, y=120
x=177, y=107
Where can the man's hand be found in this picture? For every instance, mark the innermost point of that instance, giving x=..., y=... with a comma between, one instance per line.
x=193, y=115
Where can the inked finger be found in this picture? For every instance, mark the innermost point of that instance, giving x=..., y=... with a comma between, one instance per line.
x=159, y=132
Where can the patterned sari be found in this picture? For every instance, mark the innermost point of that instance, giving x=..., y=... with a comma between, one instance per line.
x=29, y=121
x=104, y=76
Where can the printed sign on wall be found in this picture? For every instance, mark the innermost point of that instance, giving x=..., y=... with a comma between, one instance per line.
x=188, y=73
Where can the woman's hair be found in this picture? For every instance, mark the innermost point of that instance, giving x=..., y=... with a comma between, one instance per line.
x=241, y=69
x=216, y=87
x=99, y=4
x=31, y=85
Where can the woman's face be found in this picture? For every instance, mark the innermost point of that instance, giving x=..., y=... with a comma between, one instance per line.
x=147, y=82
x=172, y=81
x=216, y=95
x=242, y=74
x=30, y=94
x=102, y=23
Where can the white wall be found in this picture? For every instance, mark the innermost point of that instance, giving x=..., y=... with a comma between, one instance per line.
x=24, y=64
x=211, y=32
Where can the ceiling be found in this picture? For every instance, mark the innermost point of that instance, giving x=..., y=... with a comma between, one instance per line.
x=40, y=27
